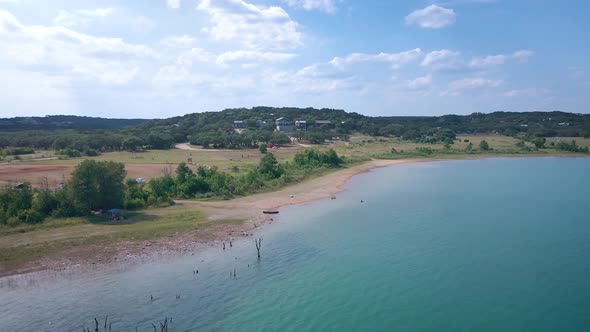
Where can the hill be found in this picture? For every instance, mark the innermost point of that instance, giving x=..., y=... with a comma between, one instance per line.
x=56, y=122
x=74, y=135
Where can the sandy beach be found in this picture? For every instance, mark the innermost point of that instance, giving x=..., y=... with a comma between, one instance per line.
x=248, y=209
x=325, y=186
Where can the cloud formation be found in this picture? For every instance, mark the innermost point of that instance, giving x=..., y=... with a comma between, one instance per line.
x=432, y=17
x=81, y=17
x=453, y=60
x=174, y=4
x=395, y=59
x=251, y=26
x=420, y=82
x=57, y=50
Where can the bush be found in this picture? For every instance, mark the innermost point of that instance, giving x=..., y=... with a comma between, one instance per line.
x=13, y=221
x=33, y=217
x=134, y=204
x=72, y=153
x=17, y=151
x=484, y=146
x=425, y=151
x=570, y=147
x=91, y=152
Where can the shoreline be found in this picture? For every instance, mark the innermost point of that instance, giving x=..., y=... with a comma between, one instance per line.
x=248, y=209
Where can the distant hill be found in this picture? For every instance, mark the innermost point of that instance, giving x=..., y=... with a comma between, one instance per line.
x=55, y=122
x=257, y=124
x=544, y=124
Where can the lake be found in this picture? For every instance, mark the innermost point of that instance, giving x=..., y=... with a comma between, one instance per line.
x=476, y=245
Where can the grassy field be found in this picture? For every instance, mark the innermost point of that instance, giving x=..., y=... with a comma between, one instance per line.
x=152, y=163
x=371, y=147
x=147, y=164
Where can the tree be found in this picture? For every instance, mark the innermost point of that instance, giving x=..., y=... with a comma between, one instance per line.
x=182, y=172
x=539, y=142
x=270, y=167
x=469, y=147
x=132, y=144
x=278, y=137
x=98, y=184
x=262, y=148
x=484, y=146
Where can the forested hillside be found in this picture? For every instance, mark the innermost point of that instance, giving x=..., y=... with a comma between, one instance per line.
x=257, y=125
x=54, y=122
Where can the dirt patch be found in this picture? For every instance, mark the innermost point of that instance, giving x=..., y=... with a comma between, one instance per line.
x=18, y=173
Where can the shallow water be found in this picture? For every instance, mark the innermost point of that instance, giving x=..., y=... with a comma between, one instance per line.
x=479, y=245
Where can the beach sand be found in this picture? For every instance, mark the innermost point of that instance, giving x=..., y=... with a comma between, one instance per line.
x=248, y=209
x=251, y=206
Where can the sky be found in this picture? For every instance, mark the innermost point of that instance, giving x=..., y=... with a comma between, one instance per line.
x=163, y=58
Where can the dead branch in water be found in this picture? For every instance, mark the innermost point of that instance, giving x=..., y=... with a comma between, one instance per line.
x=258, y=243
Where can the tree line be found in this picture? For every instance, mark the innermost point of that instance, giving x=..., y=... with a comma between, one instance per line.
x=216, y=129
x=102, y=185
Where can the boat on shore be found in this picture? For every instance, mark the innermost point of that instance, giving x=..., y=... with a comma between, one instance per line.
x=270, y=211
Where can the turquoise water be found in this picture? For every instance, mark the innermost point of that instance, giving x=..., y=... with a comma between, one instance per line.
x=480, y=245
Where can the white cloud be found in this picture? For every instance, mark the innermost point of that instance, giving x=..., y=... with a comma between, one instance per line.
x=452, y=60
x=474, y=83
x=110, y=72
x=175, y=4
x=396, y=59
x=328, y=6
x=442, y=59
x=309, y=79
x=252, y=56
x=8, y=22
x=487, y=61
x=528, y=92
x=57, y=50
x=522, y=55
x=80, y=17
x=250, y=25
x=181, y=69
x=432, y=17
x=182, y=41
x=420, y=82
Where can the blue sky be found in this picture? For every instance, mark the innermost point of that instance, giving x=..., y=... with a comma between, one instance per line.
x=161, y=58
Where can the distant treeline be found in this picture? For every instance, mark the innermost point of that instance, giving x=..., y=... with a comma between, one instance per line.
x=101, y=185
x=217, y=129
x=56, y=122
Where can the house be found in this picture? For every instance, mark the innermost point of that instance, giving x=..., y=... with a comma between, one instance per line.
x=283, y=124
x=260, y=123
x=300, y=125
x=239, y=124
